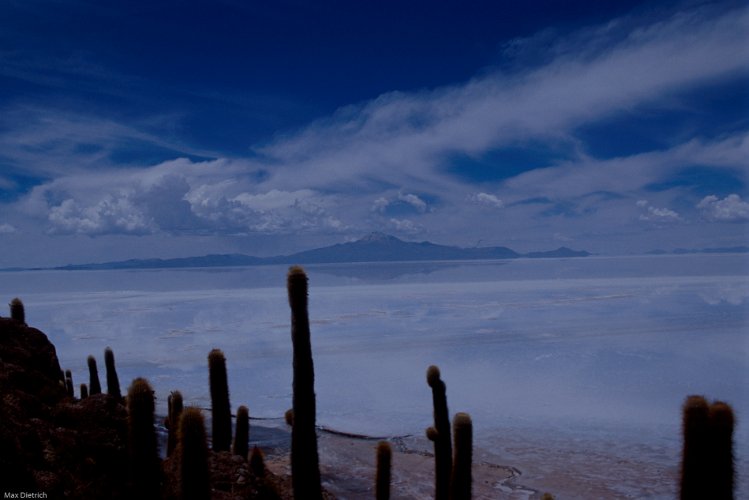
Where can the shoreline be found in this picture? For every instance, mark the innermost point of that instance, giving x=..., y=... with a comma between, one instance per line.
x=521, y=468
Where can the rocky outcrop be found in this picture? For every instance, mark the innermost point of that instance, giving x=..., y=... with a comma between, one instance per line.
x=55, y=445
x=49, y=442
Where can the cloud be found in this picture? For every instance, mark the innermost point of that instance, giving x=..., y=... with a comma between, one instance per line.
x=731, y=208
x=380, y=204
x=413, y=200
x=655, y=214
x=49, y=142
x=629, y=174
x=400, y=138
x=405, y=226
x=487, y=199
x=6, y=228
x=110, y=214
x=397, y=150
x=399, y=204
x=273, y=199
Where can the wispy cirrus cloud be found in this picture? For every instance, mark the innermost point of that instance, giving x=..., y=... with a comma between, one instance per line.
x=416, y=132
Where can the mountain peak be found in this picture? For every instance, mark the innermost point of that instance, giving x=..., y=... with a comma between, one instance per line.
x=376, y=236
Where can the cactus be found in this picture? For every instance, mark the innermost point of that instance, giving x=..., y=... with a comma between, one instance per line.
x=220, y=407
x=257, y=462
x=440, y=435
x=145, y=467
x=382, y=477
x=175, y=407
x=305, y=466
x=461, y=479
x=17, y=311
x=242, y=435
x=69, y=387
x=288, y=417
x=266, y=488
x=195, y=478
x=720, y=463
x=84, y=391
x=694, y=461
x=113, y=381
x=93, y=376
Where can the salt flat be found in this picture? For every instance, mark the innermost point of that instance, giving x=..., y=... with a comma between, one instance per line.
x=564, y=359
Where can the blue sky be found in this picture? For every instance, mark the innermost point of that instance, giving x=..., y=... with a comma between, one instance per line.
x=180, y=128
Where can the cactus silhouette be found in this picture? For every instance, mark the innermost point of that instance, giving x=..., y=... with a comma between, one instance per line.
x=720, y=465
x=175, y=406
x=288, y=417
x=69, y=387
x=305, y=466
x=694, y=460
x=17, y=311
x=242, y=435
x=145, y=468
x=93, y=376
x=195, y=480
x=113, y=381
x=220, y=407
x=382, y=476
x=440, y=435
x=257, y=462
x=461, y=479
x=84, y=391
x=265, y=487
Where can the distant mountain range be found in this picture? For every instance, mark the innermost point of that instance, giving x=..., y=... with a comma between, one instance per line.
x=375, y=247
x=684, y=251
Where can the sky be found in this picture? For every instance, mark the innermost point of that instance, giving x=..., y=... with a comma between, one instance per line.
x=179, y=128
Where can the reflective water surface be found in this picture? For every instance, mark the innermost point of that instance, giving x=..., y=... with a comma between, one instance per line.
x=597, y=350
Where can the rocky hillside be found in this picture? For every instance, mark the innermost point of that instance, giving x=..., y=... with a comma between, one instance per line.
x=61, y=446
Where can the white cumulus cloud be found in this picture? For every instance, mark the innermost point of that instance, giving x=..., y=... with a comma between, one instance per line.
x=487, y=199
x=406, y=226
x=655, y=214
x=109, y=214
x=730, y=208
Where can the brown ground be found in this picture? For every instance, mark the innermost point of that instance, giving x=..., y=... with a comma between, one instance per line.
x=348, y=470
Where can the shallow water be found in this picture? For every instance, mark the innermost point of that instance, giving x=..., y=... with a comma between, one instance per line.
x=602, y=350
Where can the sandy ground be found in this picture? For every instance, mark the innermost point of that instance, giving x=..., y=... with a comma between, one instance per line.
x=347, y=466
x=519, y=469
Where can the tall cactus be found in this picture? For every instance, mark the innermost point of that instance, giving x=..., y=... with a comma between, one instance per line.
x=84, y=391
x=113, y=381
x=69, y=387
x=17, y=311
x=694, y=483
x=220, y=406
x=242, y=435
x=461, y=479
x=720, y=465
x=440, y=435
x=175, y=406
x=382, y=476
x=94, y=386
x=195, y=480
x=145, y=467
x=305, y=466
